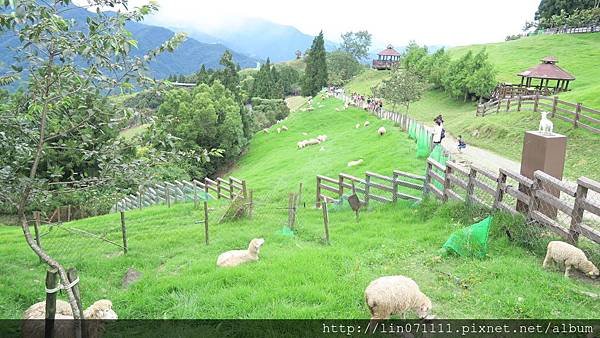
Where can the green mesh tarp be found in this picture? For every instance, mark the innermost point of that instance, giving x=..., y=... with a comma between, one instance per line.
x=422, y=144
x=437, y=154
x=471, y=241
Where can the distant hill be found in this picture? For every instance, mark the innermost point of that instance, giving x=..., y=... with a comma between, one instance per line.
x=260, y=39
x=186, y=59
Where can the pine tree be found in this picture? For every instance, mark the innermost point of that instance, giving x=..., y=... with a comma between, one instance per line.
x=228, y=76
x=315, y=77
x=262, y=83
x=202, y=76
x=276, y=85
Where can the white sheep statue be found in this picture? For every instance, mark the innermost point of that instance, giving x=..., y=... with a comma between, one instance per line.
x=571, y=257
x=237, y=257
x=546, y=126
x=64, y=327
x=355, y=163
x=381, y=131
x=395, y=295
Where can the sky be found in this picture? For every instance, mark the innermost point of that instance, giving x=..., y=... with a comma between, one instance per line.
x=430, y=22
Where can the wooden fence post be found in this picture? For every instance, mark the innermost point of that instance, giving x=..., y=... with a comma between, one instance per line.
x=447, y=184
x=536, y=102
x=218, y=189
x=508, y=104
x=340, y=187
x=245, y=191
x=124, y=232
x=195, y=195
x=427, y=180
x=577, y=215
x=498, y=106
x=471, y=186
x=230, y=189
x=554, y=105
x=318, y=203
x=69, y=213
x=206, y=221
x=51, y=283
x=326, y=221
x=59, y=214
x=533, y=200
x=499, y=191
x=168, y=194
x=519, y=103
x=395, y=187
x=577, y=113
x=139, y=196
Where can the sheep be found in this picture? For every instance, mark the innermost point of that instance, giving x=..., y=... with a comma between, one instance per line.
x=237, y=257
x=546, y=126
x=395, y=295
x=311, y=142
x=357, y=126
x=63, y=327
x=304, y=134
x=301, y=144
x=266, y=130
x=322, y=138
x=284, y=128
x=337, y=109
x=569, y=256
x=366, y=123
x=355, y=163
x=381, y=131
x=278, y=130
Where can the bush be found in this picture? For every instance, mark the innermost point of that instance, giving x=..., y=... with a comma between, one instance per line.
x=267, y=112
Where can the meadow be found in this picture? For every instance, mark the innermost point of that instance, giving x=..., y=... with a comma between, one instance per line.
x=299, y=276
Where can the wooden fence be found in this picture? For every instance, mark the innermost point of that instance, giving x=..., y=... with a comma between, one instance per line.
x=571, y=30
x=576, y=114
x=374, y=187
x=183, y=191
x=538, y=199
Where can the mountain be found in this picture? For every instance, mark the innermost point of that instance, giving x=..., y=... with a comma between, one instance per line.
x=186, y=59
x=261, y=39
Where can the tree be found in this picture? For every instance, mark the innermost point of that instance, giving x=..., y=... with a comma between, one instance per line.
x=548, y=8
x=356, y=44
x=290, y=78
x=342, y=67
x=315, y=77
x=276, y=85
x=413, y=56
x=263, y=82
x=228, y=76
x=402, y=88
x=203, y=76
x=438, y=67
x=455, y=81
x=69, y=71
x=482, y=78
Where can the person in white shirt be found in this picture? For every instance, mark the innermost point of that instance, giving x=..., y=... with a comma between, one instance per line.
x=438, y=130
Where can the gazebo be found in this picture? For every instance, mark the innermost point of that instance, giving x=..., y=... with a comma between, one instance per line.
x=387, y=58
x=547, y=71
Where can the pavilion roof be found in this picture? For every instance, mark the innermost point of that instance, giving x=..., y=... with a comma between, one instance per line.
x=547, y=70
x=389, y=51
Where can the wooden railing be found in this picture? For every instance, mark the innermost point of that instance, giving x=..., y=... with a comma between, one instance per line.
x=571, y=30
x=374, y=186
x=538, y=200
x=576, y=114
x=182, y=191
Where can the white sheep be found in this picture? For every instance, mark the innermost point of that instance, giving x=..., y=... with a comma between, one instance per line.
x=381, y=131
x=322, y=138
x=390, y=295
x=337, y=109
x=301, y=144
x=284, y=128
x=304, y=134
x=64, y=327
x=278, y=130
x=366, y=123
x=546, y=126
x=571, y=257
x=266, y=130
x=355, y=163
x=237, y=257
x=311, y=142
x=357, y=126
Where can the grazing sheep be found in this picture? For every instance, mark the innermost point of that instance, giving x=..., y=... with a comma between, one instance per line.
x=322, y=138
x=390, y=295
x=284, y=128
x=278, y=130
x=366, y=123
x=357, y=126
x=355, y=163
x=101, y=309
x=337, y=109
x=301, y=144
x=571, y=257
x=346, y=105
x=237, y=257
x=266, y=130
x=311, y=142
x=381, y=131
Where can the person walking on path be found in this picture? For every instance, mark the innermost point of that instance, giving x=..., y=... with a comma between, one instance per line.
x=438, y=130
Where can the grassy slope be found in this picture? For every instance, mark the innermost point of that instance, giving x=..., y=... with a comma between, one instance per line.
x=503, y=133
x=296, y=277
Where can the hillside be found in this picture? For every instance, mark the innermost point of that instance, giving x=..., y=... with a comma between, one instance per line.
x=299, y=276
x=503, y=133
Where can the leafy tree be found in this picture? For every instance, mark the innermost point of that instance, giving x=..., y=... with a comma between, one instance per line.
x=356, y=44
x=455, y=82
x=548, y=8
x=263, y=83
x=315, y=77
x=228, y=76
x=414, y=56
x=276, y=85
x=69, y=70
x=402, y=88
x=342, y=67
x=438, y=67
x=482, y=78
x=203, y=76
x=290, y=78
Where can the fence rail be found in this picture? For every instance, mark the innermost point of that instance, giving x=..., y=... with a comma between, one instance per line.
x=574, y=113
x=374, y=186
x=182, y=191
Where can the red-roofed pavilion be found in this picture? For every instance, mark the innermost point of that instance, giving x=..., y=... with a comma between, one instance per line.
x=387, y=58
x=545, y=72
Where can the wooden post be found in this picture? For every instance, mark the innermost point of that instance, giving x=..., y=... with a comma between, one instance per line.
x=341, y=187
x=59, y=214
x=533, y=200
x=318, y=203
x=498, y=106
x=577, y=113
x=519, y=103
x=36, y=228
x=447, y=184
x=471, y=186
x=499, y=191
x=218, y=189
x=244, y=189
x=554, y=105
x=508, y=104
x=536, y=102
x=395, y=188
x=577, y=215
x=139, y=196
x=230, y=189
x=367, y=188
x=206, y=222
x=124, y=232
x=427, y=180
x=168, y=194
x=326, y=221
x=51, y=283
x=300, y=194
x=69, y=213
x=195, y=195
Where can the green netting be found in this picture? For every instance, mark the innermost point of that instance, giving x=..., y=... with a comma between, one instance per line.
x=437, y=154
x=470, y=241
x=423, y=144
x=341, y=204
x=204, y=196
x=412, y=130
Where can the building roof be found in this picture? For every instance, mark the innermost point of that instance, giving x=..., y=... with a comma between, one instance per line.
x=389, y=51
x=547, y=70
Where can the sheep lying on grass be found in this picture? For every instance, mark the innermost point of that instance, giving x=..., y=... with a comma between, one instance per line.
x=284, y=128
x=101, y=309
x=322, y=138
x=390, y=295
x=312, y=141
x=301, y=144
x=266, y=130
x=237, y=257
x=366, y=123
x=571, y=257
x=381, y=131
x=355, y=163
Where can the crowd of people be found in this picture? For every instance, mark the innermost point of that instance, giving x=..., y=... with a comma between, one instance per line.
x=366, y=103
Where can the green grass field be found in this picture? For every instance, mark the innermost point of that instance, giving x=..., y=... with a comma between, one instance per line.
x=300, y=276
x=503, y=132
